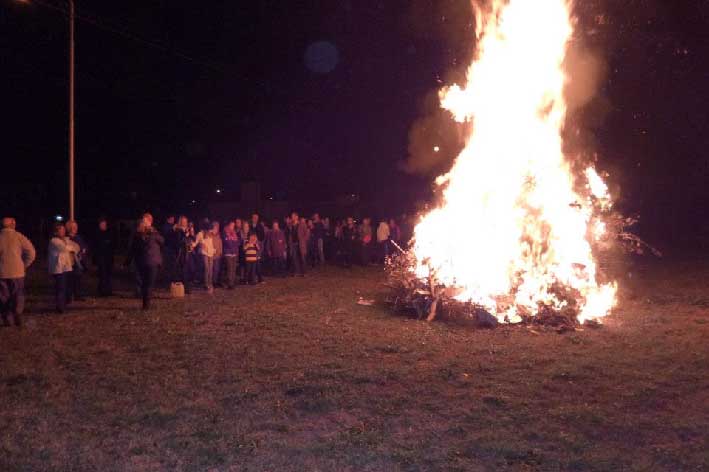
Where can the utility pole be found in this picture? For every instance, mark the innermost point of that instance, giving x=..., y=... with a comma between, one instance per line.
x=72, y=16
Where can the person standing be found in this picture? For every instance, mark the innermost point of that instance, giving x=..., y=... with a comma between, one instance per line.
x=218, y=244
x=349, y=241
x=312, y=252
x=298, y=244
x=193, y=259
x=318, y=239
x=205, y=245
x=78, y=263
x=171, y=250
x=251, y=256
x=383, y=234
x=16, y=254
x=103, y=258
x=146, y=251
x=231, y=253
x=168, y=226
x=286, y=231
x=365, y=238
x=395, y=232
x=147, y=218
x=60, y=261
x=244, y=234
x=327, y=244
x=258, y=228
x=276, y=250
x=182, y=240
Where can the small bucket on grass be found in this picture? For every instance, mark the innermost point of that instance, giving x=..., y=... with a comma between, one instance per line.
x=177, y=290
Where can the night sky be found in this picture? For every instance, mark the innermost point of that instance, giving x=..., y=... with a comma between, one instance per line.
x=317, y=99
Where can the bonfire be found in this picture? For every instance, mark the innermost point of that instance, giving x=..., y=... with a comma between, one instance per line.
x=516, y=234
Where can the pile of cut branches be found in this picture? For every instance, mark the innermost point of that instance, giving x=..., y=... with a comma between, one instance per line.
x=427, y=298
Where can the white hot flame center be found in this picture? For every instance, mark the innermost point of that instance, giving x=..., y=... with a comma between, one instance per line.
x=511, y=225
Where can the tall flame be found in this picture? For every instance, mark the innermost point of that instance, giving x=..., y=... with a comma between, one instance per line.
x=511, y=225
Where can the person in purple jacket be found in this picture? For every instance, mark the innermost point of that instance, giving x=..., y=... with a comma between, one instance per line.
x=276, y=249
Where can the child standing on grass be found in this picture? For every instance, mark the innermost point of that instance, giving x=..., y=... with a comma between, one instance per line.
x=251, y=257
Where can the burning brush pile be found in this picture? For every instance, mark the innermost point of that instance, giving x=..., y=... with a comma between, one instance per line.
x=520, y=226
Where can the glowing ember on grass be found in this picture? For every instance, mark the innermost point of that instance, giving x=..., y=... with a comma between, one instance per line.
x=514, y=232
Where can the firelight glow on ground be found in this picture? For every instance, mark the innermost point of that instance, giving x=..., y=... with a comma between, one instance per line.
x=514, y=230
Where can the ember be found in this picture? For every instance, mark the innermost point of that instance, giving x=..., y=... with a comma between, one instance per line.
x=530, y=222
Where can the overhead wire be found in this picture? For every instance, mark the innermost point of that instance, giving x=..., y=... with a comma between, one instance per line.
x=94, y=20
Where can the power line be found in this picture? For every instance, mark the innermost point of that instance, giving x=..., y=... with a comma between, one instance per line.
x=95, y=21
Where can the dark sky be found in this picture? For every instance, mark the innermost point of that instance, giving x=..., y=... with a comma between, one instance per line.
x=176, y=98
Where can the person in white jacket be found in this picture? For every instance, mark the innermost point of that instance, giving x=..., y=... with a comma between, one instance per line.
x=383, y=235
x=205, y=245
x=60, y=259
x=16, y=255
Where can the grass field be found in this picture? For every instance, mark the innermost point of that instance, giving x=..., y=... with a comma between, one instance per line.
x=294, y=375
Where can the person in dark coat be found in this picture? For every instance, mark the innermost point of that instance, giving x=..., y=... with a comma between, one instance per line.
x=318, y=239
x=258, y=228
x=171, y=251
x=182, y=240
x=276, y=249
x=298, y=236
x=231, y=245
x=349, y=241
x=104, y=249
x=243, y=239
x=146, y=251
x=168, y=227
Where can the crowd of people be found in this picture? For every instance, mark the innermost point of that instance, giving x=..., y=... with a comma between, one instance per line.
x=206, y=254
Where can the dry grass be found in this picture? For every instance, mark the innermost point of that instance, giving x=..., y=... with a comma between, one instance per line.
x=294, y=375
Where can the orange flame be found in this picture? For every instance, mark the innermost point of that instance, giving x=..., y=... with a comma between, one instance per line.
x=511, y=225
